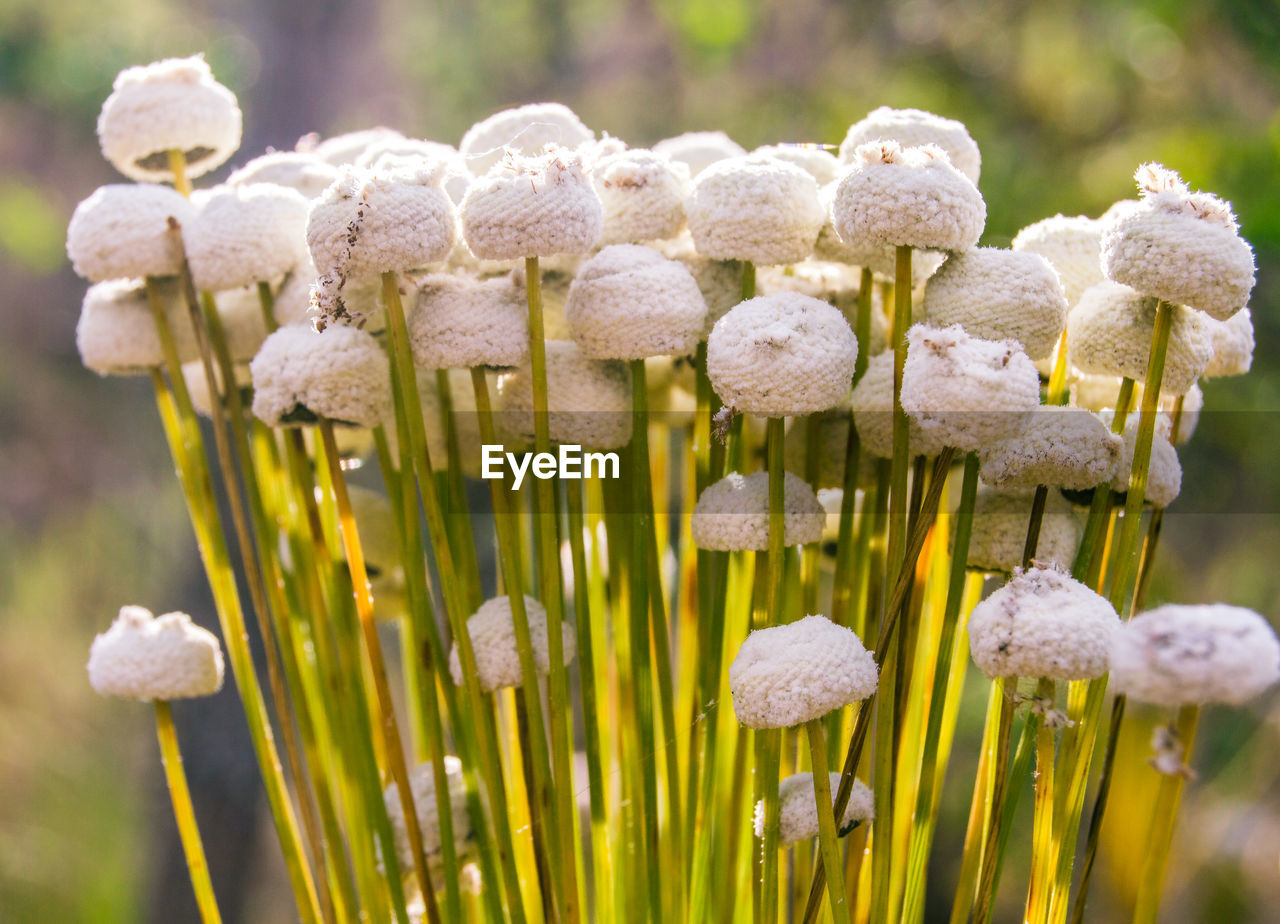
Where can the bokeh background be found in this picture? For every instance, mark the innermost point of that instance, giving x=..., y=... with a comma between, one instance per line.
x=1065, y=99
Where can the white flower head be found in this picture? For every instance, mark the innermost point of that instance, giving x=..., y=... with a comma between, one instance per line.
x=422, y=784
x=1174, y=655
x=893, y=196
x=720, y=281
x=345, y=149
x=733, y=514
x=368, y=223
x=642, y=194
x=522, y=130
x=155, y=658
x=699, y=150
x=967, y=392
x=298, y=170
x=1179, y=246
x=1109, y=333
x=790, y=674
x=1043, y=623
x=171, y=105
x=798, y=808
x=301, y=375
x=631, y=302
x=999, y=294
x=589, y=400
x=814, y=159
x=122, y=232
x=755, y=208
x=116, y=333
x=912, y=128
x=1065, y=447
x=1233, y=345
x=538, y=206
x=458, y=322
x=999, y=535
x=1073, y=246
x=781, y=355
x=243, y=235
x=493, y=637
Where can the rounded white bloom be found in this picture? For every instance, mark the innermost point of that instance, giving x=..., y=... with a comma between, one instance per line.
x=122, y=232
x=1179, y=246
x=835, y=283
x=999, y=294
x=493, y=637
x=912, y=128
x=781, y=355
x=1043, y=624
x=733, y=514
x=1073, y=246
x=1096, y=392
x=787, y=675
x=642, y=194
x=720, y=281
x=1175, y=655
x=1066, y=447
x=1000, y=522
x=630, y=302
x=243, y=235
x=299, y=170
x=155, y=658
x=798, y=808
x=422, y=783
x=411, y=153
x=343, y=150
x=1164, y=476
x=819, y=163
x=1109, y=333
x=300, y=375
x=755, y=208
x=589, y=400
x=895, y=196
x=966, y=392
x=367, y=223
x=699, y=150
x=116, y=333
x=881, y=259
x=458, y=322
x=872, y=403
x=170, y=105
x=1232, y=345
x=532, y=207
x=522, y=130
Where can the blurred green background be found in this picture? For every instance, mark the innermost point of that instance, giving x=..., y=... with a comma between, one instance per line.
x=1064, y=98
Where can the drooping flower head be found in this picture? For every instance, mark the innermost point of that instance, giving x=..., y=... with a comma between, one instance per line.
x=798, y=808
x=522, y=130
x=790, y=674
x=493, y=637
x=1179, y=246
x=733, y=514
x=155, y=658
x=301, y=375
x=170, y=105
x=912, y=128
x=122, y=232
x=458, y=322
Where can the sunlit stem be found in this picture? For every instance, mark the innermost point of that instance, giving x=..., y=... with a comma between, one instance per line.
x=1164, y=819
x=831, y=858
x=184, y=814
x=373, y=648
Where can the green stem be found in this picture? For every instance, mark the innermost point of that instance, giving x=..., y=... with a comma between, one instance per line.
x=831, y=858
x=538, y=779
x=1164, y=819
x=985, y=896
x=373, y=649
x=1042, y=843
x=642, y=669
x=473, y=729
x=559, y=707
x=184, y=814
x=924, y=819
